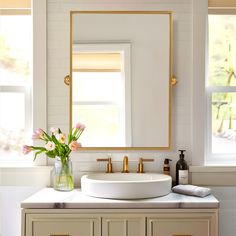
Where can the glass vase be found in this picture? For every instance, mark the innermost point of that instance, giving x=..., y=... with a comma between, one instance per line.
x=63, y=175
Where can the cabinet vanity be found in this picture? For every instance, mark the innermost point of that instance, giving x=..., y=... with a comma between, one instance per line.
x=52, y=213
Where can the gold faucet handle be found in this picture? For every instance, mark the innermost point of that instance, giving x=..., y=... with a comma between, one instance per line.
x=140, y=164
x=109, y=164
x=147, y=159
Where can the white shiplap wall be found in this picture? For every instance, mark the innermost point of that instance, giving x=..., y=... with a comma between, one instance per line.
x=58, y=66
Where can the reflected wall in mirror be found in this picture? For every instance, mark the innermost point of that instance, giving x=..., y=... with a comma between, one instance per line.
x=121, y=69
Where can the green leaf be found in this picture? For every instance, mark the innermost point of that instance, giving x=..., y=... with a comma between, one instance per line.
x=51, y=154
x=37, y=153
x=69, y=138
x=38, y=148
x=47, y=136
x=54, y=139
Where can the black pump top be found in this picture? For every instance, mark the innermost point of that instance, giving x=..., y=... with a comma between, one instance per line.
x=166, y=161
x=181, y=155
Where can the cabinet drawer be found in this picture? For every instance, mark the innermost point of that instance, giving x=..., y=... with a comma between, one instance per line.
x=185, y=223
x=176, y=227
x=123, y=225
x=62, y=225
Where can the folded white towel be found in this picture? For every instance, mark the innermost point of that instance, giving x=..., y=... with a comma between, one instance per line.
x=192, y=190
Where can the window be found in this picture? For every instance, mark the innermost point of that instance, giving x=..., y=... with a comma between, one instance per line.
x=22, y=77
x=15, y=81
x=221, y=88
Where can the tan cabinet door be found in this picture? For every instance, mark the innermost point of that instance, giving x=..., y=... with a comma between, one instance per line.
x=124, y=225
x=179, y=227
x=62, y=225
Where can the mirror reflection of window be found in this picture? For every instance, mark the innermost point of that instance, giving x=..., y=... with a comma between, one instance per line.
x=99, y=98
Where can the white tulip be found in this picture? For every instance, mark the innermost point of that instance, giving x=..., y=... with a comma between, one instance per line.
x=50, y=146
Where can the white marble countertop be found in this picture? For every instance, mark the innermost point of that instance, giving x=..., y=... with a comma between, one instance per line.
x=48, y=198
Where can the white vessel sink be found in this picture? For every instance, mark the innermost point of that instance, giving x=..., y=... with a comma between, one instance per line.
x=126, y=185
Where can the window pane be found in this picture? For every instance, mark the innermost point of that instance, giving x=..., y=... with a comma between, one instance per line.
x=103, y=125
x=106, y=86
x=15, y=49
x=12, y=123
x=224, y=123
x=222, y=50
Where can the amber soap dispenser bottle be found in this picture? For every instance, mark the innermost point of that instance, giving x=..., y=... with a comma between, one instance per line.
x=181, y=169
x=166, y=167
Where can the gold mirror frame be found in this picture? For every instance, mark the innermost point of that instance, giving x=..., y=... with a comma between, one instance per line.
x=172, y=79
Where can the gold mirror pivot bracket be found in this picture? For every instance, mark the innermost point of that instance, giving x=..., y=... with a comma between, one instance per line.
x=109, y=164
x=174, y=80
x=67, y=80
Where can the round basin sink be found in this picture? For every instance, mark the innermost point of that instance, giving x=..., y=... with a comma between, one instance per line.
x=126, y=185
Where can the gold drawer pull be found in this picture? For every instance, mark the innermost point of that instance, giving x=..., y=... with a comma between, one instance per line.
x=59, y=235
x=181, y=235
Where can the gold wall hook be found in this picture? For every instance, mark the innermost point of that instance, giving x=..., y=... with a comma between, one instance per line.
x=67, y=80
x=174, y=80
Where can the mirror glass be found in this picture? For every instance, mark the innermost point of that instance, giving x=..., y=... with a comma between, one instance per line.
x=120, y=78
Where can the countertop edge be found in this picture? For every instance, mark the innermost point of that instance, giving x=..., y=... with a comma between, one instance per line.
x=77, y=200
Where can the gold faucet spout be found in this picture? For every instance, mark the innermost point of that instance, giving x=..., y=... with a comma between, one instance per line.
x=125, y=165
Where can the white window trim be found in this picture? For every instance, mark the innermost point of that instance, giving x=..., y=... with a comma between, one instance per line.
x=38, y=107
x=39, y=88
x=125, y=48
x=200, y=13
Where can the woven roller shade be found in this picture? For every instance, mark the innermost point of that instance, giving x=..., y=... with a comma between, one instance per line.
x=96, y=62
x=222, y=3
x=15, y=3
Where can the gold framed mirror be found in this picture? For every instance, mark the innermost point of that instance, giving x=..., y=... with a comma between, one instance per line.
x=120, y=78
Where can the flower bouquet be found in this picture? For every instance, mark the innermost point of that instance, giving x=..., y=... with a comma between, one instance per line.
x=56, y=147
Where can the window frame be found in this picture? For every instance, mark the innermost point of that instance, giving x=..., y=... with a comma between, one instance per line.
x=210, y=158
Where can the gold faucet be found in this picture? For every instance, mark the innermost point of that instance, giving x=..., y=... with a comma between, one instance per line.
x=140, y=164
x=125, y=165
x=109, y=164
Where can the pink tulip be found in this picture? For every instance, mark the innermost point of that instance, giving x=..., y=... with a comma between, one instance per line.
x=38, y=134
x=74, y=145
x=80, y=126
x=26, y=149
x=54, y=130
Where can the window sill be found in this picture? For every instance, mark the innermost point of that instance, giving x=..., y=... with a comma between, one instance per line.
x=11, y=175
x=213, y=175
